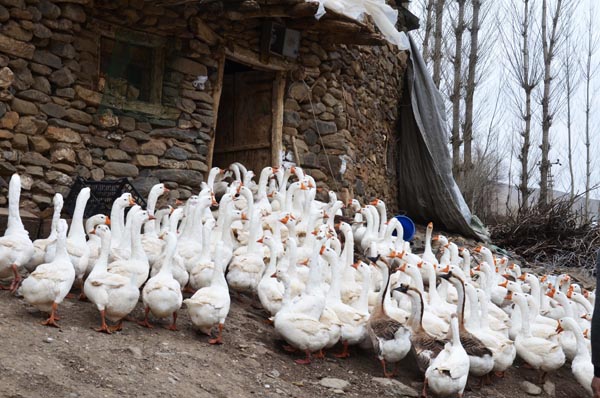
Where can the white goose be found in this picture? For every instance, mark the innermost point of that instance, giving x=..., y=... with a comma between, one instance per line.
x=209, y=306
x=40, y=245
x=582, y=366
x=162, y=293
x=48, y=285
x=115, y=296
x=16, y=249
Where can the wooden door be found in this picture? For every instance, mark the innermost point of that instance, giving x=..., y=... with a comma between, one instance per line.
x=245, y=119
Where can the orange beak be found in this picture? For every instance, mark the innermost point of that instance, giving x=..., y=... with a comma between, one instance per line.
x=92, y=232
x=478, y=268
x=275, y=169
x=311, y=185
x=420, y=264
x=274, y=275
x=403, y=267
x=178, y=202
x=303, y=187
x=260, y=240
x=107, y=222
x=244, y=216
x=400, y=255
x=166, y=190
x=570, y=293
x=446, y=269
x=285, y=219
x=430, y=225
x=131, y=202
x=356, y=264
x=325, y=216
x=304, y=262
x=508, y=296
x=584, y=317
x=504, y=284
x=551, y=293
x=586, y=294
x=586, y=333
x=478, y=249
x=322, y=250
x=543, y=278
x=437, y=237
x=374, y=202
x=559, y=329
x=472, y=273
x=522, y=277
x=293, y=170
x=151, y=217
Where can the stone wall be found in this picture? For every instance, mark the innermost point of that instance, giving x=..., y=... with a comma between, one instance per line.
x=55, y=123
x=340, y=117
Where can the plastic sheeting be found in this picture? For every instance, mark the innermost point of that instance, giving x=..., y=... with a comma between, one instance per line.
x=384, y=16
x=427, y=190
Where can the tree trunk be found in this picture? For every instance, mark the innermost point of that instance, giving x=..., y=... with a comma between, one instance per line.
x=526, y=133
x=470, y=89
x=428, y=29
x=548, y=45
x=456, y=90
x=570, y=83
x=437, y=42
x=588, y=78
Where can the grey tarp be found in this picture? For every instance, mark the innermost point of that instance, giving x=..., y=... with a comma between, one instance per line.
x=427, y=190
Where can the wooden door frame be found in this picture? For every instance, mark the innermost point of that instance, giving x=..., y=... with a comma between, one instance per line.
x=252, y=59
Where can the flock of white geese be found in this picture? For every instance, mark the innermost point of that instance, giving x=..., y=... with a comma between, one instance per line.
x=303, y=260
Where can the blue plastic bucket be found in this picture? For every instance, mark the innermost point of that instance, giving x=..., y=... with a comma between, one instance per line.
x=408, y=225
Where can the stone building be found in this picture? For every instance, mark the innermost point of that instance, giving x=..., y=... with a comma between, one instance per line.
x=163, y=90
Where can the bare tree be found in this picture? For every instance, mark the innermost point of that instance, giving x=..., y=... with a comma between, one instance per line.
x=525, y=71
x=428, y=28
x=549, y=43
x=438, y=39
x=571, y=81
x=589, y=73
x=470, y=88
x=456, y=96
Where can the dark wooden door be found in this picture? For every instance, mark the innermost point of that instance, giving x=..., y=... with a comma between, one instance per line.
x=244, y=121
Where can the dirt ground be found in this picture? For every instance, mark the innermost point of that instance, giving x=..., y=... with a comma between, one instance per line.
x=75, y=361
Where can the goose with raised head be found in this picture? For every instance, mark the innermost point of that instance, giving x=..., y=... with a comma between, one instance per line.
x=137, y=264
x=117, y=217
x=114, y=295
x=94, y=242
x=390, y=339
x=122, y=250
x=425, y=347
x=581, y=365
x=297, y=322
x=40, y=245
x=353, y=322
x=541, y=354
x=480, y=357
x=428, y=253
x=47, y=286
x=201, y=273
x=162, y=293
x=16, y=249
x=152, y=245
x=209, y=306
x=449, y=371
x=270, y=290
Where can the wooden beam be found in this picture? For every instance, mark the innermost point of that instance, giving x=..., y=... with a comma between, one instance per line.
x=277, y=122
x=249, y=57
x=297, y=11
x=216, y=102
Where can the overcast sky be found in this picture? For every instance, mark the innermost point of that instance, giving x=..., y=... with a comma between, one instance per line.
x=497, y=110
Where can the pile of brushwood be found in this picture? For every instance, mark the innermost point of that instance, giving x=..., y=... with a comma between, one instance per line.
x=551, y=235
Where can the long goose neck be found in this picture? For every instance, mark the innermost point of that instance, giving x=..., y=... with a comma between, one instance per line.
x=335, y=287
x=254, y=230
x=292, y=255
x=262, y=185
x=289, y=197
x=525, y=326
x=428, y=234
x=417, y=280
x=434, y=296
x=455, y=328
x=205, y=255
x=362, y=304
x=102, y=261
x=55, y=218
x=483, y=308
x=61, y=248
x=196, y=221
x=416, y=310
x=218, y=276
x=460, y=307
x=272, y=266
x=169, y=254
x=137, y=250
x=210, y=181
x=473, y=319
x=315, y=275
x=116, y=218
x=382, y=212
x=466, y=265
x=14, y=223
x=76, y=230
x=385, y=272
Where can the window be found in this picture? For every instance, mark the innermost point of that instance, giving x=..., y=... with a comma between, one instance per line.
x=130, y=71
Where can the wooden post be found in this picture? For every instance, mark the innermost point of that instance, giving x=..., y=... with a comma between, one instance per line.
x=277, y=123
x=216, y=101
